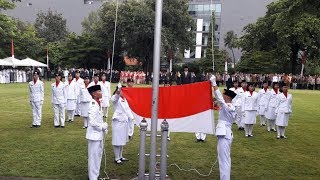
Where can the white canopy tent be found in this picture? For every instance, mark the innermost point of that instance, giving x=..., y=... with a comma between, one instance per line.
x=5, y=63
x=14, y=62
x=33, y=63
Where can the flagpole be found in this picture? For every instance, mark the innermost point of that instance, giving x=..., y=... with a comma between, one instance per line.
x=212, y=40
x=47, y=57
x=155, y=88
x=170, y=68
x=12, y=48
x=108, y=65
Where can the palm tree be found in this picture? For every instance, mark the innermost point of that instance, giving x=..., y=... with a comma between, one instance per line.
x=230, y=41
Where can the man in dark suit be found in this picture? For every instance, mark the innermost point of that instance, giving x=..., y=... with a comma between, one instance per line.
x=185, y=76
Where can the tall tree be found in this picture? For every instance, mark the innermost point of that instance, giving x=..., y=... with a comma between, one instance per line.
x=135, y=29
x=51, y=26
x=230, y=41
x=287, y=27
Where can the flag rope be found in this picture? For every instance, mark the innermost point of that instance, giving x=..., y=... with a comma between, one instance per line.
x=193, y=169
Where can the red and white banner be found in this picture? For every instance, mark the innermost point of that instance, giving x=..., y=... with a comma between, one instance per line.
x=187, y=108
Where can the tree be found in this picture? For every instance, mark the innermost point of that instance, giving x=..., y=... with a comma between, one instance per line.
x=287, y=27
x=230, y=41
x=135, y=29
x=51, y=26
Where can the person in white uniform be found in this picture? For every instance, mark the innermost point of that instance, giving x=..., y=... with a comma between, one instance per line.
x=95, y=80
x=36, y=99
x=79, y=83
x=262, y=103
x=59, y=100
x=106, y=94
x=120, y=118
x=271, y=107
x=85, y=99
x=95, y=133
x=237, y=102
x=283, y=111
x=72, y=94
x=227, y=114
x=130, y=122
x=249, y=109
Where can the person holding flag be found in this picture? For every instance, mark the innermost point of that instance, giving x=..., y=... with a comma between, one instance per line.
x=227, y=114
x=120, y=117
x=36, y=99
x=95, y=132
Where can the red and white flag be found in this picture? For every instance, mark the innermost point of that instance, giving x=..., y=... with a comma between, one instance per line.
x=187, y=108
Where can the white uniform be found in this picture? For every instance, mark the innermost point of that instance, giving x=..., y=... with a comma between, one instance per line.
x=36, y=101
x=271, y=107
x=59, y=100
x=85, y=99
x=79, y=83
x=249, y=110
x=72, y=94
x=106, y=95
x=283, y=111
x=120, y=124
x=227, y=115
x=95, y=134
x=262, y=105
x=236, y=101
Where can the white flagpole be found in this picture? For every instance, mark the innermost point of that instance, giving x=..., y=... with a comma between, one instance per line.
x=170, y=68
x=47, y=57
x=226, y=66
x=108, y=65
x=302, y=67
x=155, y=89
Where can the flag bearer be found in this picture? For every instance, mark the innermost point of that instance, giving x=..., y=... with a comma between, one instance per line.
x=227, y=114
x=120, y=118
x=36, y=99
x=59, y=100
x=95, y=132
x=283, y=111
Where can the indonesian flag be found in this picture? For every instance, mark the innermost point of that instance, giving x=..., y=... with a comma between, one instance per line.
x=187, y=108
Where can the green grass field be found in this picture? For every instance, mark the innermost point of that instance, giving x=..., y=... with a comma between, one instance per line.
x=52, y=153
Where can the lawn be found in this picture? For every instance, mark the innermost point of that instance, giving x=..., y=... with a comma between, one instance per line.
x=52, y=153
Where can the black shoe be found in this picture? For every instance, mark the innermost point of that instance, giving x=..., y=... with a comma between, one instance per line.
x=130, y=137
x=273, y=130
x=119, y=162
x=56, y=126
x=281, y=137
x=37, y=126
x=77, y=115
x=69, y=120
x=62, y=126
x=202, y=140
x=33, y=126
x=198, y=140
x=124, y=159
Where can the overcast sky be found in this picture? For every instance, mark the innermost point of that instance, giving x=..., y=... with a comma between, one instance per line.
x=73, y=10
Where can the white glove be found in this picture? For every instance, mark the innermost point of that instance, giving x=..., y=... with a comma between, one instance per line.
x=105, y=126
x=213, y=81
x=119, y=87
